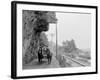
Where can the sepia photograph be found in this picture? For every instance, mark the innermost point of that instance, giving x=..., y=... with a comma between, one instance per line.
x=53, y=39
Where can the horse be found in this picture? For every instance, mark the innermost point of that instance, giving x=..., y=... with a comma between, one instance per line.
x=47, y=54
x=44, y=52
x=40, y=56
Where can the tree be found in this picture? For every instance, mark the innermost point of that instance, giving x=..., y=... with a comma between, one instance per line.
x=69, y=46
x=44, y=39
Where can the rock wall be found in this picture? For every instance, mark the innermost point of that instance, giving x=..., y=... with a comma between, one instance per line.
x=34, y=24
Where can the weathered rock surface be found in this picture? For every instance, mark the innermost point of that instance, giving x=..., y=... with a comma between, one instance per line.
x=34, y=23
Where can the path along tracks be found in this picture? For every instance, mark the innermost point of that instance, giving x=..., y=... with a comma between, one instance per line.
x=74, y=62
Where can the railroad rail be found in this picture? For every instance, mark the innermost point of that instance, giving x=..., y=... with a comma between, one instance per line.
x=74, y=62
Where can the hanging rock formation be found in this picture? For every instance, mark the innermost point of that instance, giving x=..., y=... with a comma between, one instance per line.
x=34, y=24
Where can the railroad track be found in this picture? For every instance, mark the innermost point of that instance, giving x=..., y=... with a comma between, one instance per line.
x=74, y=62
x=71, y=62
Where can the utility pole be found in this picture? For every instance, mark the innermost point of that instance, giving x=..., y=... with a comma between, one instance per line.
x=52, y=35
x=56, y=40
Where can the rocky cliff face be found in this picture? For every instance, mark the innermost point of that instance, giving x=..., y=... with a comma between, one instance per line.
x=34, y=23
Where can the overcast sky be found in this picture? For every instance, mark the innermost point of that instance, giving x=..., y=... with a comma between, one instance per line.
x=72, y=26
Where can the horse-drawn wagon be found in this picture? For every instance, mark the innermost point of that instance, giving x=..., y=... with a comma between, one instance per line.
x=44, y=53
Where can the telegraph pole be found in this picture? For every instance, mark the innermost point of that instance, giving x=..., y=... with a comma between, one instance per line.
x=52, y=34
x=56, y=40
